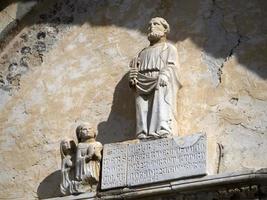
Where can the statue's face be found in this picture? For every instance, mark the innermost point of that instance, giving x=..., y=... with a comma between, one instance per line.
x=85, y=133
x=155, y=26
x=65, y=146
x=155, y=30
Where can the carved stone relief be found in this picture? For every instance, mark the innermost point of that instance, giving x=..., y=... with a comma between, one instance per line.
x=153, y=78
x=80, y=167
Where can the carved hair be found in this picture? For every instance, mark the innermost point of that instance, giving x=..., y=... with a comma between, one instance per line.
x=164, y=23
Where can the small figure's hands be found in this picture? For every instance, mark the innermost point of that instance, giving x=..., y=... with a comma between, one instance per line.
x=69, y=162
x=162, y=80
x=97, y=156
x=88, y=158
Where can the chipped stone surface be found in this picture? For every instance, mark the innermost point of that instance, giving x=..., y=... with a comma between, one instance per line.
x=68, y=65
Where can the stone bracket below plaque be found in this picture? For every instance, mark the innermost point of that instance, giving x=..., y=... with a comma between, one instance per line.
x=251, y=184
x=145, y=162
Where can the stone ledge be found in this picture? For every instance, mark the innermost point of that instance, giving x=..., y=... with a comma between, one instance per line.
x=221, y=183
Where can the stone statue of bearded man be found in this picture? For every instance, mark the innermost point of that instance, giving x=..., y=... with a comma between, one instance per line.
x=153, y=77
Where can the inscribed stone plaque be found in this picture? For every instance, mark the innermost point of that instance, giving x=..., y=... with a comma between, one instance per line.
x=166, y=159
x=153, y=161
x=114, y=166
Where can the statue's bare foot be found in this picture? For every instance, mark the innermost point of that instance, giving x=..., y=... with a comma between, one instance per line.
x=153, y=135
x=163, y=133
x=141, y=136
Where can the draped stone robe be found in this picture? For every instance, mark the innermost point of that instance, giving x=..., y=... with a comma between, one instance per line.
x=66, y=186
x=155, y=104
x=88, y=158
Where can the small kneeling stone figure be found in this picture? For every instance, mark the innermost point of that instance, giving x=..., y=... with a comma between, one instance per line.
x=88, y=157
x=80, y=166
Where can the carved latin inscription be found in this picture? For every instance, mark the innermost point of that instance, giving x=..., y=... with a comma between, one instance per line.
x=114, y=166
x=166, y=159
x=154, y=161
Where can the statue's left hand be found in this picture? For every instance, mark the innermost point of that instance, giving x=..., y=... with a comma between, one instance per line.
x=162, y=81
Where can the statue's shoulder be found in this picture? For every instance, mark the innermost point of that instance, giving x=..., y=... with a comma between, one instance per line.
x=142, y=51
x=98, y=144
x=171, y=46
x=95, y=144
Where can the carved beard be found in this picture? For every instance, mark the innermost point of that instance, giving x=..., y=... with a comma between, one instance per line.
x=155, y=35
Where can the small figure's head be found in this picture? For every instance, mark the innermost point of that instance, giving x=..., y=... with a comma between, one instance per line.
x=157, y=28
x=84, y=132
x=67, y=147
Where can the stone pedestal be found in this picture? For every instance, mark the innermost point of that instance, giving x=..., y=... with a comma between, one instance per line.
x=153, y=161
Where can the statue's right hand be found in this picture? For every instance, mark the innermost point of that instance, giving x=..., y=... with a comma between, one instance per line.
x=133, y=73
x=133, y=77
x=135, y=63
x=132, y=83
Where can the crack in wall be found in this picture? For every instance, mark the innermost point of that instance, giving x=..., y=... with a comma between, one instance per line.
x=220, y=42
x=241, y=124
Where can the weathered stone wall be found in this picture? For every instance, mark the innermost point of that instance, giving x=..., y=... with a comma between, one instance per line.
x=11, y=12
x=68, y=64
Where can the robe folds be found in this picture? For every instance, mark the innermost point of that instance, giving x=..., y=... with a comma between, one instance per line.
x=68, y=185
x=156, y=104
x=88, y=167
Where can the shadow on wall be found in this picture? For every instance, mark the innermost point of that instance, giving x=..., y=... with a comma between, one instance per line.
x=49, y=187
x=6, y=3
x=120, y=125
x=204, y=22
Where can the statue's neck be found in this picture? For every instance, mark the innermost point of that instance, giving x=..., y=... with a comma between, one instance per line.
x=89, y=140
x=161, y=40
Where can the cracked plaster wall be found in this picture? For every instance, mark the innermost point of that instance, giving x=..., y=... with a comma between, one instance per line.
x=67, y=64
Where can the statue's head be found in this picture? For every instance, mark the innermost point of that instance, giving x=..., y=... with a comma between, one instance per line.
x=157, y=28
x=84, y=132
x=67, y=147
